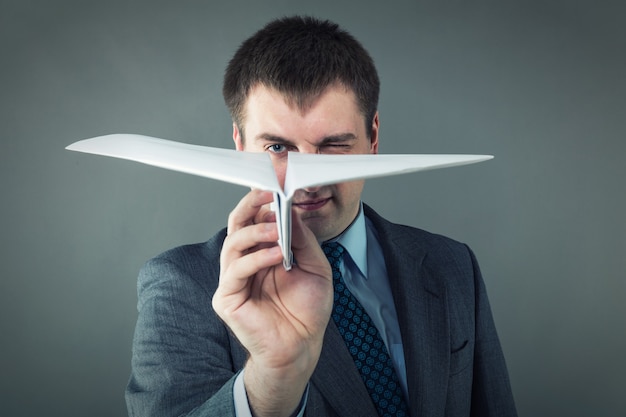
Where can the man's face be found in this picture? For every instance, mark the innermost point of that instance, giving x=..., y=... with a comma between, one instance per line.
x=332, y=124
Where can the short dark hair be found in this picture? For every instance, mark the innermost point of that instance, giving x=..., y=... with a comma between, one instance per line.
x=300, y=57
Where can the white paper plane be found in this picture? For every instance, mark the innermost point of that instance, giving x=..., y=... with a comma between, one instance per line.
x=255, y=170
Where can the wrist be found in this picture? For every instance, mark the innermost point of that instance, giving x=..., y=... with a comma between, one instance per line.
x=275, y=392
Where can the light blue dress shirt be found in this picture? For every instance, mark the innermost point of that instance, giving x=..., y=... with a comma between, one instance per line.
x=365, y=274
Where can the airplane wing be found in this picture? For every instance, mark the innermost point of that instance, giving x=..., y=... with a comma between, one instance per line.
x=244, y=168
x=309, y=170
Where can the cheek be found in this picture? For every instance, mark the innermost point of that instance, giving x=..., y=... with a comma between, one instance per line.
x=349, y=193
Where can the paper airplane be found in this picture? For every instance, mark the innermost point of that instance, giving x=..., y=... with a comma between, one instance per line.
x=255, y=170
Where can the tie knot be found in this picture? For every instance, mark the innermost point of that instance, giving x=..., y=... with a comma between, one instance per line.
x=333, y=251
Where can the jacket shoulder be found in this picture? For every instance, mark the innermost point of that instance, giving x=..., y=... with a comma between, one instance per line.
x=414, y=238
x=198, y=262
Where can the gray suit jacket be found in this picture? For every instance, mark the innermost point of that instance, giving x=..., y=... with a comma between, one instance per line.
x=185, y=359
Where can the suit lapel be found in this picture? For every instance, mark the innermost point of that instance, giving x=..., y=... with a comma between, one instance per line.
x=422, y=315
x=420, y=299
x=338, y=380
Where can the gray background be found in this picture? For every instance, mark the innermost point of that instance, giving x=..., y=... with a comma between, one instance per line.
x=539, y=84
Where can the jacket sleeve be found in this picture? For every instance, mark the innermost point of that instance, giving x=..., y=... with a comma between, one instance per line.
x=491, y=389
x=182, y=363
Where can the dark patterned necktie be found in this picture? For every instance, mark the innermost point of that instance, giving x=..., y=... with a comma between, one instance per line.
x=364, y=343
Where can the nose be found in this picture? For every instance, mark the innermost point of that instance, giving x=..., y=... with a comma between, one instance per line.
x=312, y=189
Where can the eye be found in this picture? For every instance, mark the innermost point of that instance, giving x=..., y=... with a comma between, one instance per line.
x=276, y=148
x=335, y=148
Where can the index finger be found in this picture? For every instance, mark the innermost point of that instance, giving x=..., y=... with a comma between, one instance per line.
x=248, y=209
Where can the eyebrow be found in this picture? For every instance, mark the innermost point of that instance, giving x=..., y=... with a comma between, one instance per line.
x=342, y=137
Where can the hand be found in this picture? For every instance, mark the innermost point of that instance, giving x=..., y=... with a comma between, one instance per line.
x=279, y=316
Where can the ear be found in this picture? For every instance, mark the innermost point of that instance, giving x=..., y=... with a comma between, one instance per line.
x=374, y=135
x=237, y=138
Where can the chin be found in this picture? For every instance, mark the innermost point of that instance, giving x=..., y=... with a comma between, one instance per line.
x=319, y=227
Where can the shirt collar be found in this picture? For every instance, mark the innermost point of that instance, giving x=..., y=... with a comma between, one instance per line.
x=354, y=240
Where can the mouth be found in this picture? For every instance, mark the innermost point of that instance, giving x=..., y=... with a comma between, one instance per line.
x=311, y=205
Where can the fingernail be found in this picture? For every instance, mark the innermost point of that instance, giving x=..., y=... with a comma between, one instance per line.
x=275, y=250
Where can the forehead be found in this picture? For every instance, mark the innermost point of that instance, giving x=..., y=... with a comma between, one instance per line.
x=335, y=107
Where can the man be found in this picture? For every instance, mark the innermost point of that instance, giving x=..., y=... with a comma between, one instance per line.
x=225, y=330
